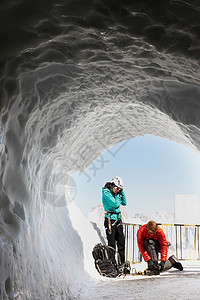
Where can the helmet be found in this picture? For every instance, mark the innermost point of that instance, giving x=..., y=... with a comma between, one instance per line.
x=118, y=182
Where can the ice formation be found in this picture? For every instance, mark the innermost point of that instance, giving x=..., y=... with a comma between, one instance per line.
x=76, y=78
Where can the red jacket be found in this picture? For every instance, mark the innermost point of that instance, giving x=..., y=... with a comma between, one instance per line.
x=143, y=235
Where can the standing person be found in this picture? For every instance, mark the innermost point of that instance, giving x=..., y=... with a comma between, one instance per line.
x=113, y=197
x=151, y=241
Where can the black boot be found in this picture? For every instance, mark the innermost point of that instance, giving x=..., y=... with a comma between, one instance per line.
x=124, y=268
x=121, y=268
x=175, y=263
x=127, y=268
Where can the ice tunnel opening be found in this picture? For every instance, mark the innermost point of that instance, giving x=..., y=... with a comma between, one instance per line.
x=146, y=163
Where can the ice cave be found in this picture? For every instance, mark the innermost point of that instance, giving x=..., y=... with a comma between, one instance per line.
x=77, y=77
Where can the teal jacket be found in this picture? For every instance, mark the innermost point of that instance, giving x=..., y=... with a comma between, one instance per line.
x=112, y=202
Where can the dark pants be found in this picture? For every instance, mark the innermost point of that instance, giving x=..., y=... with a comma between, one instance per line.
x=153, y=248
x=116, y=235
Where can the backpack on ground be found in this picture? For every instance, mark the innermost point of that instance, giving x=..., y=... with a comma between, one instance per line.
x=102, y=255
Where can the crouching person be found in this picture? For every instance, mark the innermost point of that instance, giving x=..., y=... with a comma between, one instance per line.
x=151, y=241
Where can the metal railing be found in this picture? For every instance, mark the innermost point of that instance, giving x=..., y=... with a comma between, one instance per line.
x=184, y=239
x=132, y=252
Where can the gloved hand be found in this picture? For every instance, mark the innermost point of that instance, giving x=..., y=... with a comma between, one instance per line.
x=151, y=265
x=161, y=265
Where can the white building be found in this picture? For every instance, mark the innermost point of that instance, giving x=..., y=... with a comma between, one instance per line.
x=187, y=209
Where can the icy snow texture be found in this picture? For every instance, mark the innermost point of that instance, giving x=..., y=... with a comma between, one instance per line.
x=76, y=78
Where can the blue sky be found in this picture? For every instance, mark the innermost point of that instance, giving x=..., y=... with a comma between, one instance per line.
x=153, y=170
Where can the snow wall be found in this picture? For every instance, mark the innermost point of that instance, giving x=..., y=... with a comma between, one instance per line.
x=76, y=78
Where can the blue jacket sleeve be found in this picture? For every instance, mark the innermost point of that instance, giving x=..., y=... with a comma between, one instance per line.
x=123, y=198
x=110, y=202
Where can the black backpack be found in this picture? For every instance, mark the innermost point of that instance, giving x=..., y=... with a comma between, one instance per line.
x=102, y=256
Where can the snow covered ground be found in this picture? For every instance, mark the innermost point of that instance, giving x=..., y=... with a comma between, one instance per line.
x=171, y=285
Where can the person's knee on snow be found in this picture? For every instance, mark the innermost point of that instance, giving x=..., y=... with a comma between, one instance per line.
x=175, y=263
